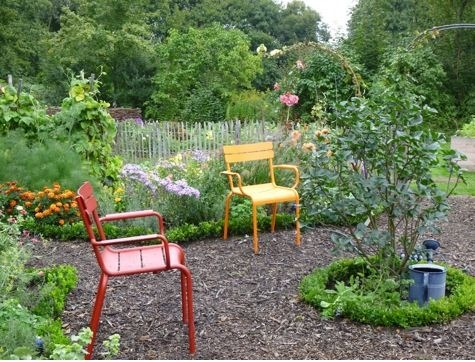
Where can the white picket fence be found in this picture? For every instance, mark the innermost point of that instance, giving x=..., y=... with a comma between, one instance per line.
x=161, y=140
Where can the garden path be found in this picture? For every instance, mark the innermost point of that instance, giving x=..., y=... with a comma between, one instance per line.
x=247, y=306
x=465, y=145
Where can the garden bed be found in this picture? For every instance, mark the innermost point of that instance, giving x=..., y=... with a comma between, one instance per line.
x=247, y=306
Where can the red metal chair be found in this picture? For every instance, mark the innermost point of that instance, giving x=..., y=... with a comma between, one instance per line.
x=128, y=260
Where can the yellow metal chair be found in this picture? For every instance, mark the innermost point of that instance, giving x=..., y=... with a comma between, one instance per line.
x=260, y=194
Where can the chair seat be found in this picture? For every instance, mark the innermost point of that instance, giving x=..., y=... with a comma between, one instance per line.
x=142, y=259
x=267, y=193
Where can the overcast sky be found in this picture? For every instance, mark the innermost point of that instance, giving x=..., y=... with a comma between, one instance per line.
x=333, y=12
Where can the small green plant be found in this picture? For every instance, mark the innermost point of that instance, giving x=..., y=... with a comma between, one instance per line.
x=56, y=283
x=76, y=350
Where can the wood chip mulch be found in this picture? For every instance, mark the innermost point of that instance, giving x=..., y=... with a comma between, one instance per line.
x=247, y=306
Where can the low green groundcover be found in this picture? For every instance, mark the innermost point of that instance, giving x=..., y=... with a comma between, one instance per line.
x=336, y=291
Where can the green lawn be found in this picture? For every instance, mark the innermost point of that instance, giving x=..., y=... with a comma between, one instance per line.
x=441, y=176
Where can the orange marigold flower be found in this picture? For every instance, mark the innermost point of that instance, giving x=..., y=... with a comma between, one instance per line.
x=66, y=194
x=27, y=195
x=28, y=203
x=12, y=203
x=57, y=209
x=50, y=195
x=74, y=204
x=37, y=209
x=59, y=204
x=47, y=212
x=308, y=146
x=61, y=222
x=56, y=186
x=52, y=206
x=41, y=194
x=39, y=215
x=295, y=135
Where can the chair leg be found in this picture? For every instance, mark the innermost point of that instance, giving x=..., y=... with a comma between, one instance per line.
x=187, y=290
x=274, y=213
x=96, y=313
x=226, y=215
x=297, y=223
x=255, y=240
x=184, y=298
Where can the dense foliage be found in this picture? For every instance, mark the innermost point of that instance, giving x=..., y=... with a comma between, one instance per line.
x=376, y=165
x=198, y=72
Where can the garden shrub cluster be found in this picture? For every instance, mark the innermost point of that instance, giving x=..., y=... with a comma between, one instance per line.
x=52, y=205
x=351, y=288
x=31, y=300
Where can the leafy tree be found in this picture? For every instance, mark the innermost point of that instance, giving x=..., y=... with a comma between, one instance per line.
x=96, y=39
x=264, y=21
x=212, y=61
x=377, y=27
x=21, y=36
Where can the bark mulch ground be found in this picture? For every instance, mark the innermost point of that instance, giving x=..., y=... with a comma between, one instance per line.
x=247, y=306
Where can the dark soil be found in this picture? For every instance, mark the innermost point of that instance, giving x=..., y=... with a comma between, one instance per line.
x=247, y=306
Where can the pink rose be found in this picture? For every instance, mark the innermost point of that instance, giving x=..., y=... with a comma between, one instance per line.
x=289, y=99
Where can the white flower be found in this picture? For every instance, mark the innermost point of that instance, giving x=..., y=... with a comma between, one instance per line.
x=261, y=49
x=275, y=52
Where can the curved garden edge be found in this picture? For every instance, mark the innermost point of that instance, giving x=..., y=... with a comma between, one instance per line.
x=315, y=290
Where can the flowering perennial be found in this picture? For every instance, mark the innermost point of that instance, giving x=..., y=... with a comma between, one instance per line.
x=289, y=99
x=154, y=182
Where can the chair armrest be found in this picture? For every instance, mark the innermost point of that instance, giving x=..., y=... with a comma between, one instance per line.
x=135, y=215
x=137, y=239
x=230, y=174
x=131, y=239
x=292, y=168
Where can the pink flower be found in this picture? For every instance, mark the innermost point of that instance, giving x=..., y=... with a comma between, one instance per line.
x=289, y=99
x=276, y=86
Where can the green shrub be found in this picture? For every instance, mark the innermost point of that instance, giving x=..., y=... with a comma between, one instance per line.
x=35, y=165
x=17, y=328
x=249, y=105
x=350, y=288
x=56, y=284
x=468, y=129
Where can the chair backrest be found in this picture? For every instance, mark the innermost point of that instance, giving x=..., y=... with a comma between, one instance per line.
x=88, y=208
x=248, y=152
x=261, y=151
